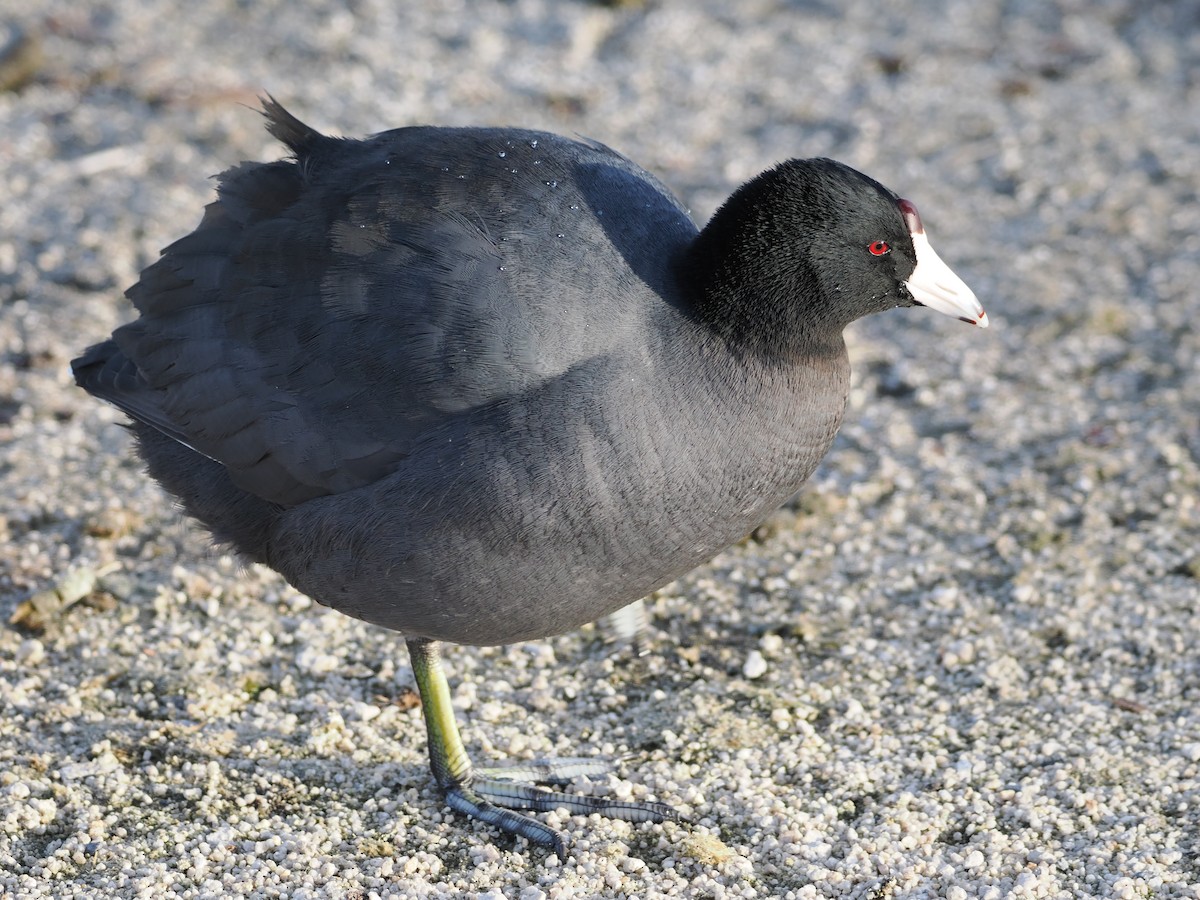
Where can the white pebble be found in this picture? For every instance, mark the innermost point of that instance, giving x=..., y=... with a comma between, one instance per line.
x=958, y=654
x=754, y=666
x=770, y=644
x=31, y=652
x=19, y=791
x=316, y=662
x=362, y=712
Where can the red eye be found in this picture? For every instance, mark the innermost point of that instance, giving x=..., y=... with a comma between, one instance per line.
x=879, y=248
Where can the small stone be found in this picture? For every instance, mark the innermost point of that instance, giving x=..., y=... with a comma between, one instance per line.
x=770, y=644
x=316, y=662
x=31, y=652
x=958, y=654
x=755, y=665
x=362, y=712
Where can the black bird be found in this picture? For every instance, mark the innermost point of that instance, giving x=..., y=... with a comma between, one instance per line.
x=484, y=385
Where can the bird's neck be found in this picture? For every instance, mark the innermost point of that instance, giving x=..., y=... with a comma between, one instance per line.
x=763, y=303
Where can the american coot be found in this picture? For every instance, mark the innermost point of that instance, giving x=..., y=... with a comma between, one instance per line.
x=483, y=385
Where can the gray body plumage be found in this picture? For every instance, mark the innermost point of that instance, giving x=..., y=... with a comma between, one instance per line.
x=452, y=382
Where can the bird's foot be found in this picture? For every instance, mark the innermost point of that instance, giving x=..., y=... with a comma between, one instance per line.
x=492, y=795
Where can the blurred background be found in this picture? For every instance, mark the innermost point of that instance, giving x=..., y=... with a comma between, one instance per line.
x=961, y=664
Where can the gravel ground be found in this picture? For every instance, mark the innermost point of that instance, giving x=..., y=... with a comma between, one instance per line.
x=962, y=664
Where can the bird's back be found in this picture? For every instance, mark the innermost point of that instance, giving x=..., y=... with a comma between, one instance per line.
x=331, y=311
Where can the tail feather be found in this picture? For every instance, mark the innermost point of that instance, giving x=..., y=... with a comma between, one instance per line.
x=300, y=138
x=107, y=373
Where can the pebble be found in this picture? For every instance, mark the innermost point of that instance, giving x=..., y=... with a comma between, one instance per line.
x=31, y=652
x=755, y=665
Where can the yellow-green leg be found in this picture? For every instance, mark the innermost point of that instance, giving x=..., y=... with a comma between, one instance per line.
x=483, y=798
